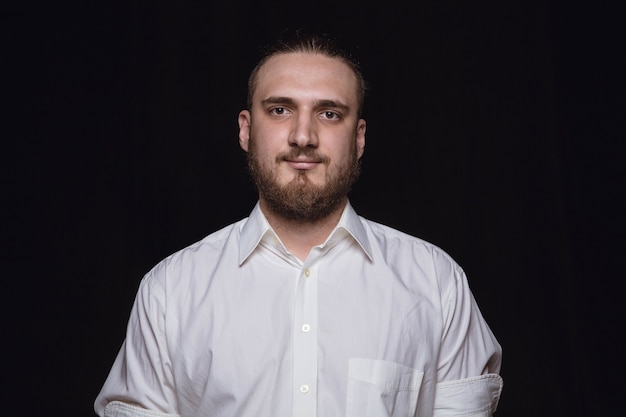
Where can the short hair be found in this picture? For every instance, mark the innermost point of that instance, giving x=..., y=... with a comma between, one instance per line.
x=315, y=44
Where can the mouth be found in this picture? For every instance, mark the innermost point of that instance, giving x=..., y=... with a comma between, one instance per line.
x=303, y=163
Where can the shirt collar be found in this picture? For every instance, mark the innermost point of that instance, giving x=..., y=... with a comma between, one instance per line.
x=256, y=227
x=352, y=223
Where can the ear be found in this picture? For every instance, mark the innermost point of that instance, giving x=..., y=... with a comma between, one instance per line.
x=360, y=137
x=244, y=129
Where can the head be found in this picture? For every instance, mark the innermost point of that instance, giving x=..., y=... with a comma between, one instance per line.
x=313, y=44
x=303, y=131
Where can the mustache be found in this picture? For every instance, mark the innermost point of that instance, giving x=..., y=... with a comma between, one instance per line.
x=308, y=153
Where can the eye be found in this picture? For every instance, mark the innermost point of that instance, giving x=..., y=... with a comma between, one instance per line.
x=278, y=111
x=331, y=115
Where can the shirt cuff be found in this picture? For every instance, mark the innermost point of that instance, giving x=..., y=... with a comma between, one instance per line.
x=120, y=409
x=471, y=397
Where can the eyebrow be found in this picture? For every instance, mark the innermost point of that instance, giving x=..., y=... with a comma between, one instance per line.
x=333, y=104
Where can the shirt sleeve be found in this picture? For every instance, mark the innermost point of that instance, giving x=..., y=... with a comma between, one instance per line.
x=470, y=356
x=141, y=375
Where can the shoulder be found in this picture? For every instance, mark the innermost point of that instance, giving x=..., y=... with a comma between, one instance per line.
x=396, y=246
x=389, y=236
x=199, y=256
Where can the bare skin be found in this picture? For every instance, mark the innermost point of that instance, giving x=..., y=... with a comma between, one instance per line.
x=304, y=129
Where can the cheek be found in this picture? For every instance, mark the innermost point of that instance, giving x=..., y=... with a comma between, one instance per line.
x=267, y=141
x=345, y=152
x=260, y=152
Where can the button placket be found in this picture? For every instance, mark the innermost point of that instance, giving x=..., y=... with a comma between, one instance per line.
x=305, y=345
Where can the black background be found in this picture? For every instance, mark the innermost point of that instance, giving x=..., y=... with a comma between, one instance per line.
x=494, y=131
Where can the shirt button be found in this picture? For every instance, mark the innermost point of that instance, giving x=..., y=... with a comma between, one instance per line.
x=304, y=389
x=307, y=273
x=306, y=328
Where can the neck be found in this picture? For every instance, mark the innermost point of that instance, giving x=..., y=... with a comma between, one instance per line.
x=300, y=236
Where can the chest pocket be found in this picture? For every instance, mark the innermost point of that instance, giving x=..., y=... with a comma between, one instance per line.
x=381, y=389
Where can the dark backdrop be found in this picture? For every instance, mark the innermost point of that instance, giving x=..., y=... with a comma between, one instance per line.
x=493, y=132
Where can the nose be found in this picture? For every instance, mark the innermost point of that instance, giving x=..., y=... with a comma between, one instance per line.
x=303, y=133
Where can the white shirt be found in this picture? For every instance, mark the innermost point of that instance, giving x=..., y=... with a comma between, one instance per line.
x=374, y=322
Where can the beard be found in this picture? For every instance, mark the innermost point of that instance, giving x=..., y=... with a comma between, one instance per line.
x=300, y=199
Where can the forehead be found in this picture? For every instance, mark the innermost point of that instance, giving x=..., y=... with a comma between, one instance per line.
x=302, y=73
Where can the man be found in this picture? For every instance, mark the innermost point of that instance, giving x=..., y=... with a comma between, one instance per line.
x=305, y=308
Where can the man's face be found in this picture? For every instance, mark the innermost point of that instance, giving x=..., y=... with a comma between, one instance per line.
x=303, y=136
